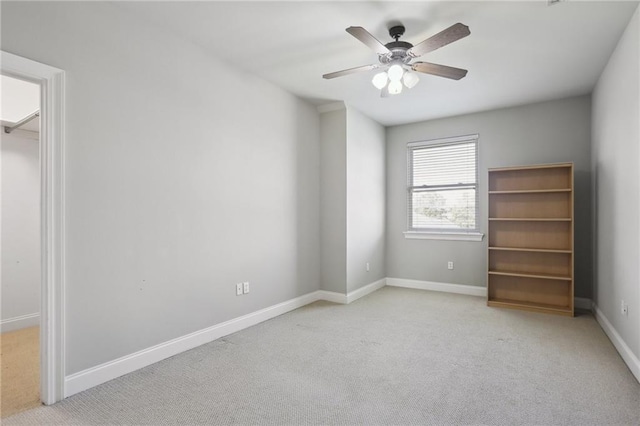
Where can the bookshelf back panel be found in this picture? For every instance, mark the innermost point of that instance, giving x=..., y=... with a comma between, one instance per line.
x=530, y=263
x=558, y=177
x=542, y=235
x=533, y=290
x=534, y=205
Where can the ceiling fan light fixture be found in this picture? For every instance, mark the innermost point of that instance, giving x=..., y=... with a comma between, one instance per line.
x=380, y=80
x=395, y=72
x=396, y=58
x=410, y=79
x=395, y=87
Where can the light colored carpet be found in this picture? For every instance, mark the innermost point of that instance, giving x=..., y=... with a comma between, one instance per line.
x=20, y=373
x=397, y=356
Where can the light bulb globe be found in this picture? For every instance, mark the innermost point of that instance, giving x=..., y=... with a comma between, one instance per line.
x=410, y=79
x=395, y=87
x=395, y=72
x=380, y=80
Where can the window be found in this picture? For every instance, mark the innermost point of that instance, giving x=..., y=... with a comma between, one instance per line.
x=442, y=191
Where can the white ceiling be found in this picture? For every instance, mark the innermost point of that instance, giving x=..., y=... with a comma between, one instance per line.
x=518, y=52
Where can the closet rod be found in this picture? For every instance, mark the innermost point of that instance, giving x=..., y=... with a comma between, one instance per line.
x=9, y=129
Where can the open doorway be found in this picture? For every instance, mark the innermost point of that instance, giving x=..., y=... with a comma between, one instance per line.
x=50, y=83
x=20, y=213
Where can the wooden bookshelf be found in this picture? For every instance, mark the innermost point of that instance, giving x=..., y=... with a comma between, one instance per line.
x=531, y=238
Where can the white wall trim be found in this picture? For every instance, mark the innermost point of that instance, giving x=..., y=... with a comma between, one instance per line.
x=364, y=290
x=448, y=236
x=345, y=299
x=52, y=110
x=452, y=139
x=332, y=296
x=94, y=376
x=471, y=290
x=625, y=352
x=110, y=370
x=102, y=373
x=579, y=302
x=19, y=322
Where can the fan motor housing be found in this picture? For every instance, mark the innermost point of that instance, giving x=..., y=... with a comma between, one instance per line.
x=398, y=52
x=398, y=49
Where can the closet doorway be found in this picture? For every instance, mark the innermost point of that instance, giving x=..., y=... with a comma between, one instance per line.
x=20, y=214
x=47, y=321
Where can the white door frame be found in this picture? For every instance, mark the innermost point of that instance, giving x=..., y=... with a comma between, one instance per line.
x=52, y=342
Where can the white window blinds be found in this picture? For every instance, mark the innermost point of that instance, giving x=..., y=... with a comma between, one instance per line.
x=442, y=190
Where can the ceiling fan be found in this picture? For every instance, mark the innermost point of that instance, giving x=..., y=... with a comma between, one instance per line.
x=396, y=56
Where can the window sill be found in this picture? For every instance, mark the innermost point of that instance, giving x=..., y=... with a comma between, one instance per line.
x=451, y=236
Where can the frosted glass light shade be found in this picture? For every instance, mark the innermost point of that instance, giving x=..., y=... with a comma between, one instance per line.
x=395, y=87
x=380, y=80
x=395, y=72
x=410, y=79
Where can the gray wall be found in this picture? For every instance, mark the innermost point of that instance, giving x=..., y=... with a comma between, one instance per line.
x=365, y=200
x=333, y=205
x=616, y=178
x=20, y=212
x=547, y=132
x=352, y=199
x=184, y=176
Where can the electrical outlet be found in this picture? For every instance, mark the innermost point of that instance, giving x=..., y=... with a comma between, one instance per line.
x=239, y=289
x=367, y=266
x=245, y=287
x=450, y=264
x=624, y=309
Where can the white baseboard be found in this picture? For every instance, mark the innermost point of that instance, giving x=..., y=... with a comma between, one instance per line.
x=471, y=290
x=332, y=296
x=625, y=352
x=110, y=370
x=20, y=322
x=579, y=302
x=345, y=299
x=367, y=289
x=102, y=373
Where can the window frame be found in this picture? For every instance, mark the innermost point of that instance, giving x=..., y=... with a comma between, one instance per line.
x=433, y=233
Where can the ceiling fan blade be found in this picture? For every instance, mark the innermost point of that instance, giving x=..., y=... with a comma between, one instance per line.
x=366, y=37
x=451, y=34
x=439, y=70
x=350, y=71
